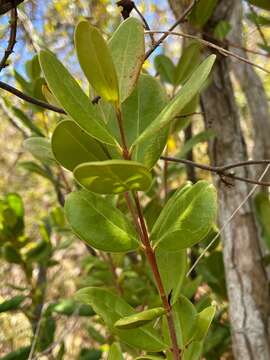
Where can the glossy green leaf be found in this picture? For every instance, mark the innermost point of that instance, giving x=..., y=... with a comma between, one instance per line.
x=264, y=4
x=139, y=319
x=99, y=223
x=172, y=280
x=194, y=351
x=188, y=62
x=187, y=217
x=139, y=111
x=128, y=49
x=40, y=148
x=183, y=97
x=165, y=68
x=11, y=304
x=262, y=209
x=72, y=146
x=96, y=61
x=71, y=97
x=202, y=11
x=115, y=352
x=113, y=176
x=203, y=322
x=111, y=308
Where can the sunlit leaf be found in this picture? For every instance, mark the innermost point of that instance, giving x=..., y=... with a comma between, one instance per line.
x=96, y=61
x=127, y=49
x=99, y=223
x=71, y=97
x=183, y=97
x=187, y=217
x=113, y=176
x=139, y=319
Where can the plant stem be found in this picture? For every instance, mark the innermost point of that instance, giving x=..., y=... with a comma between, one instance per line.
x=150, y=254
x=139, y=222
x=119, y=117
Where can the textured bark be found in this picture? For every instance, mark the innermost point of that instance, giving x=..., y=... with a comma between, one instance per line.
x=246, y=279
x=254, y=92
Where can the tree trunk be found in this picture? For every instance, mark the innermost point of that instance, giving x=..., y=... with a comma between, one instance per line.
x=253, y=90
x=247, y=283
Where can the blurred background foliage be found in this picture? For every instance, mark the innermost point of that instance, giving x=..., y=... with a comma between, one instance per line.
x=42, y=263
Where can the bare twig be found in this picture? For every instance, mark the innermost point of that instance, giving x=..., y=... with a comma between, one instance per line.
x=12, y=38
x=222, y=171
x=206, y=43
x=228, y=221
x=29, y=98
x=146, y=25
x=181, y=19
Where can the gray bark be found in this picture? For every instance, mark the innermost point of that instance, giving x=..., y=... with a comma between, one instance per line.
x=254, y=92
x=246, y=278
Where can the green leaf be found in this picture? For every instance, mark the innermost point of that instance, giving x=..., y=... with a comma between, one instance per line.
x=20, y=354
x=33, y=68
x=40, y=148
x=166, y=68
x=72, y=146
x=24, y=119
x=96, y=61
x=202, y=12
x=264, y=4
x=90, y=354
x=99, y=223
x=150, y=357
x=11, y=304
x=188, y=62
x=69, y=307
x=11, y=254
x=113, y=176
x=172, y=280
x=222, y=30
x=139, y=319
x=111, y=308
x=262, y=210
x=183, y=97
x=71, y=97
x=194, y=351
x=115, y=352
x=187, y=217
x=128, y=49
x=201, y=137
x=203, y=322
x=212, y=270
x=185, y=317
x=37, y=169
x=139, y=111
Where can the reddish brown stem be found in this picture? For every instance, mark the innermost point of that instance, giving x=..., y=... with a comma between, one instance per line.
x=150, y=254
x=126, y=154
